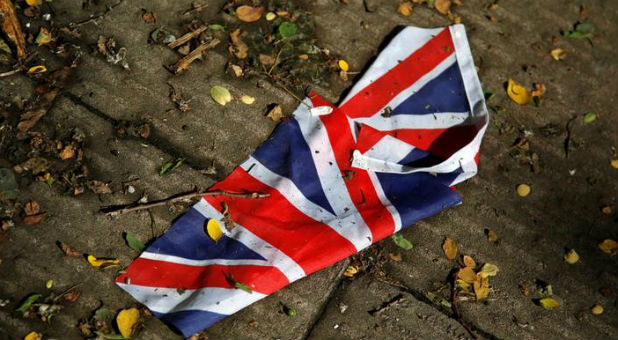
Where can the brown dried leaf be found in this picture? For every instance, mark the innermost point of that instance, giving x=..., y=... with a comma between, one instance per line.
x=149, y=17
x=32, y=208
x=12, y=28
x=238, y=48
x=267, y=60
x=67, y=152
x=481, y=288
x=72, y=295
x=33, y=219
x=405, y=8
x=249, y=14
x=539, y=90
x=467, y=275
x=469, y=261
x=68, y=250
x=450, y=248
x=99, y=187
x=443, y=6
x=395, y=257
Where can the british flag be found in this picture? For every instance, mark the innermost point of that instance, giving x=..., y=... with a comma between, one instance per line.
x=338, y=178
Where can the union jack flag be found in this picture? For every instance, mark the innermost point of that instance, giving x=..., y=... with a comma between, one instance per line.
x=339, y=179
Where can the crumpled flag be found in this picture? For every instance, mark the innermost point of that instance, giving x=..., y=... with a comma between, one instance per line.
x=339, y=179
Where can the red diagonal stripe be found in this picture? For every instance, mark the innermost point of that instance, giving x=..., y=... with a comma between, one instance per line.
x=312, y=244
x=154, y=273
x=376, y=96
x=361, y=189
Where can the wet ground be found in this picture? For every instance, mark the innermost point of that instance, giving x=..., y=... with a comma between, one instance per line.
x=562, y=212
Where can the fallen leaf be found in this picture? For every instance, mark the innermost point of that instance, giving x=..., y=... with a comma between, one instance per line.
x=491, y=235
x=469, y=261
x=33, y=335
x=34, y=2
x=443, y=6
x=103, y=262
x=539, y=90
x=221, y=95
x=127, y=321
x=467, y=275
x=170, y=166
x=590, y=117
x=270, y=16
x=99, y=187
x=488, y=269
x=275, y=113
x=450, y=248
x=267, y=60
x=149, y=17
x=518, y=93
x=287, y=29
x=49, y=284
x=44, y=37
x=72, y=295
x=28, y=302
x=238, y=48
x=68, y=250
x=395, y=256
x=402, y=242
x=571, y=257
x=558, y=54
x=238, y=72
x=247, y=100
x=67, y=152
x=38, y=69
x=32, y=208
x=350, y=271
x=33, y=214
x=133, y=242
x=213, y=229
x=12, y=27
x=549, y=302
x=405, y=8
x=249, y=14
x=481, y=288
x=580, y=31
x=523, y=190
x=597, y=309
x=606, y=210
x=614, y=163
x=343, y=65
x=609, y=246
x=216, y=27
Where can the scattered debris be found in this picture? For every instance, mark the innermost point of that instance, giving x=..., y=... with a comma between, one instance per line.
x=449, y=247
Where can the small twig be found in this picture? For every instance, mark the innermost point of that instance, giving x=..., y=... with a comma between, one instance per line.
x=197, y=53
x=195, y=7
x=96, y=17
x=287, y=90
x=567, y=140
x=123, y=209
x=186, y=37
x=12, y=72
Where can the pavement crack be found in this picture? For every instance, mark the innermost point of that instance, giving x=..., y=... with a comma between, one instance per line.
x=155, y=140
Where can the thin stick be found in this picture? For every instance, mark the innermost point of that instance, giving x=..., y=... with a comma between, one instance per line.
x=96, y=17
x=186, y=37
x=197, y=53
x=12, y=72
x=123, y=209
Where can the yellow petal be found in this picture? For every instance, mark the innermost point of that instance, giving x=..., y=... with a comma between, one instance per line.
x=37, y=69
x=614, y=163
x=549, y=302
x=467, y=275
x=102, y=263
x=609, y=246
x=450, y=248
x=220, y=94
x=571, y=257
x=469, y=261
x=489, y=270
x=518, y=93
x=558, y=54
x=523, y=190
x=247, y=100
x=481, y=289
x=343, y=65
x=270, y=16
x=597, y=309
x=350, y=271
x=33, y=336
x=33, y=2
x=213, y=228
x=126, y=321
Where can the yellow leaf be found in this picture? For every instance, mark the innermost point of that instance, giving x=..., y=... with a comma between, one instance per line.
x=34, y=2
x=549, y=302
x=127, y=320
x=614, y=163
x=597, y=309
x=469, y=261
x=518, y=93
x=465, y=286
x=571, y=257
x=350, y=271
x=49, y=284
x=442, y=6
x=220, y=94
x=33, y=336
x=481, y=288
x=102, y=263
x=492, y=236
x=405, y=8
x=467, y=275
x=270, y=16
x=37, y=69
x=558, y=54
x=489, y=269
x=343, y=65
x=213, y=228
x=450, y=248
x=248, y=13
x=523, y=190
x=609, y=246
x=247, y=100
